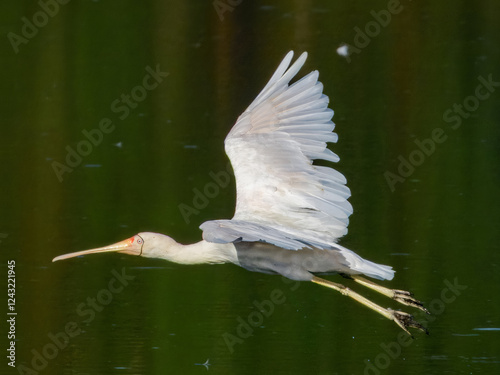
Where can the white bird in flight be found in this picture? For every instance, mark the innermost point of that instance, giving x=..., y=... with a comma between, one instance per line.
x=290, y=212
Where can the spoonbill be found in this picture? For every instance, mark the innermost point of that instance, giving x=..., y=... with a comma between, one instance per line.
x=290, y=212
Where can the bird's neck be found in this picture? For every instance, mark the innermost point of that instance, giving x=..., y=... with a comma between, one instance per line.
x=203, y=252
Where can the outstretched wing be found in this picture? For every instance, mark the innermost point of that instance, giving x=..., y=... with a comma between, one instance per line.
x=282, y=198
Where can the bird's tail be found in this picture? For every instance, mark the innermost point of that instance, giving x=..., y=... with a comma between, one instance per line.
x=366, y=267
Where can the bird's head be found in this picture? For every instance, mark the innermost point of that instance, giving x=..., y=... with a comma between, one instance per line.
x=146, y=244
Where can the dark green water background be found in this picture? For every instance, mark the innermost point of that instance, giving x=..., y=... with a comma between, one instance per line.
x=437, y=226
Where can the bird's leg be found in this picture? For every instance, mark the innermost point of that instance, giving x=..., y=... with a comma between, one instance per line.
x=402, y=296
x=401, y=318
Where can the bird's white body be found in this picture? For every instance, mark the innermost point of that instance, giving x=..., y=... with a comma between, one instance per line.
x=299, y=265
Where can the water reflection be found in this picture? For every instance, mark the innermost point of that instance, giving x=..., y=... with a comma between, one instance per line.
x=169, y=317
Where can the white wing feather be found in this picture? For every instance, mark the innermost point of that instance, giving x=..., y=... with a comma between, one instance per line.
x=282, y=198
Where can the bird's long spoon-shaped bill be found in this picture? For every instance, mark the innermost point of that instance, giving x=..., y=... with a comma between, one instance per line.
x=131, y=246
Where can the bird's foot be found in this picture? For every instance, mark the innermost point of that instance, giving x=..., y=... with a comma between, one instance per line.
x=406, y=298
x=405, y=321
x=402, y=296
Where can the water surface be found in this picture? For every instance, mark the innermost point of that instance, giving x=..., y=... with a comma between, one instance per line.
x=436, y=222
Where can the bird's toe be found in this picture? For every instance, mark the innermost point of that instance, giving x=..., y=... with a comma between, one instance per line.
x=406, y=298
x=405, y=321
